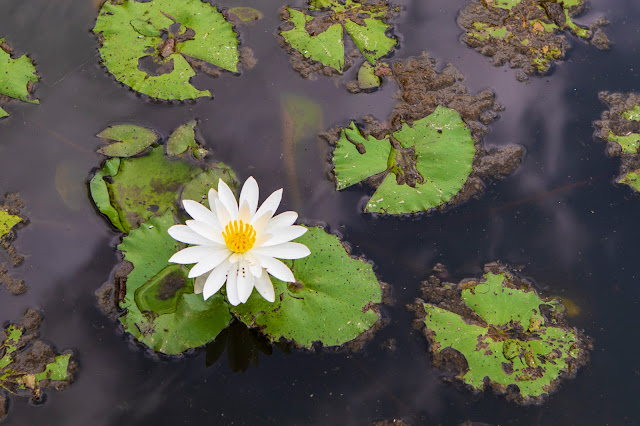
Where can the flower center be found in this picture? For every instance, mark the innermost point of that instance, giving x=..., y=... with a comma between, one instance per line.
x=239, y=237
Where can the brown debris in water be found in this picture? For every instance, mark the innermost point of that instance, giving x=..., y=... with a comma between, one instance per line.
x=13, y=205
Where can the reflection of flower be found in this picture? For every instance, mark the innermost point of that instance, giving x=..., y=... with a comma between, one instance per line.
x=238, y=243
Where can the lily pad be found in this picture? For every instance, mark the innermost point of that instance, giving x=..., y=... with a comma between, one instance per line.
x=318, y=33
x=17, y=76
x=7, y=222
x=29, y=366
x=499, y=333
x=129, y=140
x=151, y=46
x=333, y=300
x=183, y=139
x=162, y=312
x=425, y=155
x=525, y=33
x=620, y=127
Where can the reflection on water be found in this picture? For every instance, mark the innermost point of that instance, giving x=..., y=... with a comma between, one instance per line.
x=559, y=216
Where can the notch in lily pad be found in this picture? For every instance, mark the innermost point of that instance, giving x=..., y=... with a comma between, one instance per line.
x=17, y=77
x=526, y=33
x=499, y=334
x=29, y=366
x=155, y=47
x=317, y=34
x=620, y=127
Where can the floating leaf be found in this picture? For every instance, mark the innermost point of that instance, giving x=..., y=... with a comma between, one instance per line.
x=7, y=221
x=16, y=76
x=426, y=163
x=620, y=127
x=29, y=366
x=332, y=301
x=183, y=139
x=507, y=335
x=367, y=78
x=129, y=140
x=524, y=33
x=319, y=36
x=150, y=45
x=131, y=190
x=162, y=311
x=198, y=188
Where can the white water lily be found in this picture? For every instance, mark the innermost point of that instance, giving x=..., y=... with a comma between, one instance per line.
x=238, y=243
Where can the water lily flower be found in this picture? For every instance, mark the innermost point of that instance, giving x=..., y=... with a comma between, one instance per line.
x=238, y=243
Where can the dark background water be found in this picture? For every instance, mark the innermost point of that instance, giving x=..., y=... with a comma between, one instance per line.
x=559, y=215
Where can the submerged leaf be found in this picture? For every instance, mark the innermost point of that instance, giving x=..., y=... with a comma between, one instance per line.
x=319, y=36
x=149, y=45
x=162, y=311
x=16, y=76
x=129, y=140
x=428, y=165
x=332, y=301
x=247, y=14
x=515, y=338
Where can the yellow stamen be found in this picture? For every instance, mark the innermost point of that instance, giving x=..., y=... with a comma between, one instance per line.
x=239, y=237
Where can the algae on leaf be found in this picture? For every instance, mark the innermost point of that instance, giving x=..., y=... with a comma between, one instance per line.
x=29, y=366
x=318, y=34
x=152, y=46
x=620, y=127
x=333, y=301
x=525, y=33
x=17, y=76
x=499, y=333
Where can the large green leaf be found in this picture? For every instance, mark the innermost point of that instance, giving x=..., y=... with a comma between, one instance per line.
x=363, y=22
x=527, y=34
x=129, y=140
x=146, y=45
x=432, y=163
x=131, y=190
x=514, y=344
x=15, y=77
x=162, y=312
x=332, y=302
x=7, y=221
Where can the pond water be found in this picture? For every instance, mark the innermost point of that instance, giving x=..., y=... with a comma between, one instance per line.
x=559, y=215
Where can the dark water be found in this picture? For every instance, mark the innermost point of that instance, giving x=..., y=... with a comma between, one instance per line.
x=560, y=216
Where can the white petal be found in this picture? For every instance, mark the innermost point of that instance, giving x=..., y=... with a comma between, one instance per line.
x=245, y=281
x=207, y=231
x=232, y=287
x=282, y=220
x=211, y=198
x=276, y=268
x=260, y=222
x=201, y=268
x=270, y=204
x=285, y=234
x=198, y=254
x=250, y=194
x=244, y=213
x=265, y=287
x=201, y=213
x=216, y=280
x=223, y=214
x=186, y=235
x=284, y=251
x=198, y=284
x=227, y=199
x=254, y=265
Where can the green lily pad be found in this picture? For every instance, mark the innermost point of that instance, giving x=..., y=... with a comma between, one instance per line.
x=29, y=366
x=367, y=78
x=526, y=33
x=162, y=312
x=17, y=76
x=198, y=187
x=502, y=334
x=183, y=139
x=620, y=127
x=7, y=222
x=151, y=46
x=426, y=163
x=333, y=300
x=129, y=140
x=318, y=34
